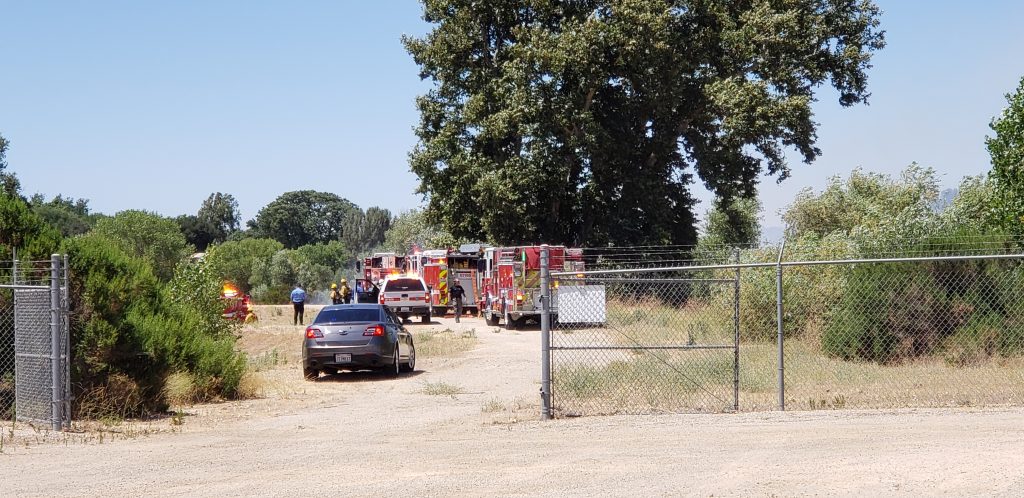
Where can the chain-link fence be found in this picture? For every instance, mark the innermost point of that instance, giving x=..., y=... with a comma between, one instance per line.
x=34, y=342
x=704, y=334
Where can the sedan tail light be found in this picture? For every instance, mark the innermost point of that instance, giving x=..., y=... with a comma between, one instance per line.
x=313, y=333
x=374, y=331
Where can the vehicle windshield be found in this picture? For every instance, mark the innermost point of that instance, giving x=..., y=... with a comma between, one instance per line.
x=348, y=315
x=403, y=285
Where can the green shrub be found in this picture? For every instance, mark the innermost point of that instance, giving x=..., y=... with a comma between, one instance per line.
x=968, y=310
x=129, y=331
x=265, y=294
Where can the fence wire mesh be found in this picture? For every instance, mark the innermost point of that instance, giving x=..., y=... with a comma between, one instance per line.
x=6, y=354
x=935, y=333
x=628, y=344
x=944, y=331
x=32, y=349
x=28, y=391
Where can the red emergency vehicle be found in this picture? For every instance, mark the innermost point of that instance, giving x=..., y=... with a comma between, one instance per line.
x=511, y=282
x=376, y=268
x=441, y=268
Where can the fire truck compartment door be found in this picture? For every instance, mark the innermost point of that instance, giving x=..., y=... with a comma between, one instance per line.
x=581, y=304
x=469, y=286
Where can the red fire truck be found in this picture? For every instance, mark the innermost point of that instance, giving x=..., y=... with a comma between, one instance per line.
x=511, y=282
x=381, y=264
x=441, y=268
x=375, y=269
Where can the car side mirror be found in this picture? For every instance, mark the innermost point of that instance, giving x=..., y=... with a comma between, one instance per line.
x=358, y=265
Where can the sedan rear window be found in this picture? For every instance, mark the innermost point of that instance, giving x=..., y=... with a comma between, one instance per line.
x=403, y=285
x=349, y=315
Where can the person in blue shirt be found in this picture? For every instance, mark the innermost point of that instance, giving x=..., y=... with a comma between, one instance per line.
x=298, y=302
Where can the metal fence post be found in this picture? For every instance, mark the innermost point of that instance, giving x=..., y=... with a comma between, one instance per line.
x=65, y=310
x=736, y=335
x=778, y=318
x=545, y=331
x=57, y=391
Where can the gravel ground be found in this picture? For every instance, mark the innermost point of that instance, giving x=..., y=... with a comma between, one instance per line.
x=362, y=434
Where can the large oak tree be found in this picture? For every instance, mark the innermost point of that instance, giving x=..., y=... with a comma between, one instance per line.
x=587, y=121
x=303, y=217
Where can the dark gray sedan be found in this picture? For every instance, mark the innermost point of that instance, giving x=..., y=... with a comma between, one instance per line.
x=357, y=337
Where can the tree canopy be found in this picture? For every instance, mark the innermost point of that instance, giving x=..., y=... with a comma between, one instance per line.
x=411, y=228
x=303, y=217
x=866, y=203
x=235, y=261
x=70, y=216
x=585, y=122
x=364, y=231
x=24, y=230
x=217, y=219
x=8, y=182
x=155, y=239
x=220, y=211
x=1006, y=149
x=734, y=223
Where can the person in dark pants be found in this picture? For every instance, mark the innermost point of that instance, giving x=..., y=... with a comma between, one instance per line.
x=299, y=303
x=374, y=292
x=346, y=292
x=456, y=293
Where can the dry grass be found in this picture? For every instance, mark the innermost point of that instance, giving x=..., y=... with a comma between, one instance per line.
x=650, y=322
x=180, y=389
x=441, y=389
x=700, y=381
x=497, y=412
x=445, y=343
x=493, y=405
x=252, y=385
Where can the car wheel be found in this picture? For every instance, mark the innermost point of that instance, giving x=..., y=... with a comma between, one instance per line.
x=410, y=364
x=426, y=319
x=396, y=366
x=310, y=373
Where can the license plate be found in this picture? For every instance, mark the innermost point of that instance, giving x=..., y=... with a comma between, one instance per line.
x=404, y=308
x=343, y=357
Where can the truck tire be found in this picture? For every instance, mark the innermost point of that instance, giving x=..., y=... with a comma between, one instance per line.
x=491, y=319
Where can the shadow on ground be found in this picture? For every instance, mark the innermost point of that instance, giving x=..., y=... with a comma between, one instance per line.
x=366, y=376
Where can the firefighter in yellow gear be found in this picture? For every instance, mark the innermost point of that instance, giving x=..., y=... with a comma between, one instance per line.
x=335, y=294
x=346, y=292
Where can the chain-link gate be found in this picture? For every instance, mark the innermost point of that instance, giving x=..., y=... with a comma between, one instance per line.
x=642, y=342
x=34, y=342
x=766, y=333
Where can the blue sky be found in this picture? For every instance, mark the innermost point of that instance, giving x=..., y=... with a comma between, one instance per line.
x=146, y=105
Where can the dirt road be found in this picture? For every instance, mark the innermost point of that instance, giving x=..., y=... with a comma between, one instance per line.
x=467, y=425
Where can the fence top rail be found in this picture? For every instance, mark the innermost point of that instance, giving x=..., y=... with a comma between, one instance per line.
x=733, y=266
x=657, y=280
x=23, y=286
